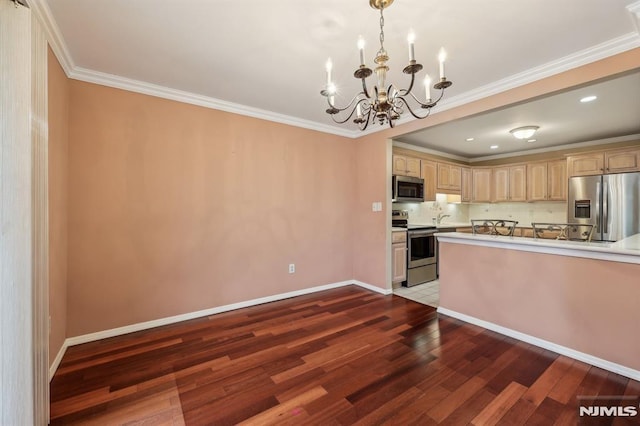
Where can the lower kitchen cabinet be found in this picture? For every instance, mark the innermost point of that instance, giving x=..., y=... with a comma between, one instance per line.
x=399, y=256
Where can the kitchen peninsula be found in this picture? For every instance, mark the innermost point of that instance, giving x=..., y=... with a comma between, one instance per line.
x=575, y=298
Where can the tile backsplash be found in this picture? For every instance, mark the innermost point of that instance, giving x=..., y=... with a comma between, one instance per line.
x=524, y=213
x=424, y=213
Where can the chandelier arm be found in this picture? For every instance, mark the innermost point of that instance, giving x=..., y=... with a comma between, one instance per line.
x=333, y=116
x=347, y=106
x=364, y=89
x=405, y=92
x=366, y=107
x=404, y=101
x=366, y=123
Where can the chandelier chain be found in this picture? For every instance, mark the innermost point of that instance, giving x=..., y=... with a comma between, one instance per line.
x=381, y=30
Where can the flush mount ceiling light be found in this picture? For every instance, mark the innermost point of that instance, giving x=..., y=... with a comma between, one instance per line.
x=588, y=99
x=524, y=132
x=384, y=103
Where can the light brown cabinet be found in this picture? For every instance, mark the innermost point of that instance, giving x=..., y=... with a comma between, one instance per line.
x=406, y=166
x=466, y=185
x=481, y=185
x=399, y=256
x=585, y=164
x=597, y=163
x=622, y=161
x=449, y=177
x=547, y=181
x=429, y=174
x=557, y=180
x=510, y=183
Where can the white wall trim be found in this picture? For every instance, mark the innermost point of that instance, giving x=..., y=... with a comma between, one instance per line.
x=594, y=53
x=86, y=338
x=559, y=349
x=137, y=86
x=634, y=10
x=58, y=359
x=383, y=291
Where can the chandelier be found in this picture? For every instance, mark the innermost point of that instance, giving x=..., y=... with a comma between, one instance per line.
x=384, y=104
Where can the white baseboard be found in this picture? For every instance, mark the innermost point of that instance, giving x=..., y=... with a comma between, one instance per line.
x=56, y=362
x=562, y=350
x=85, y=338
x=384, y=291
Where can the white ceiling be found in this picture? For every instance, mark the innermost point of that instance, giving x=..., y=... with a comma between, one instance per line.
x=267, y=59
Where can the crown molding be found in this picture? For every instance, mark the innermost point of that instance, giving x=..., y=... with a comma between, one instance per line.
x=634, y=10
x=429, y=151
x=142, y=87
x=54, y=36
x=56, y=41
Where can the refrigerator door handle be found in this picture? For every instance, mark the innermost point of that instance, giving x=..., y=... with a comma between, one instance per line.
x=598, y=218
x=605, y=208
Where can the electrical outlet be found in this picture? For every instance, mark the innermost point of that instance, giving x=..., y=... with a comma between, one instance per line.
x=292, y=268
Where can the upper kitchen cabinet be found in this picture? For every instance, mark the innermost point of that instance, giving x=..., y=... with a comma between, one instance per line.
x=510, y=183
x=547, y=181
x=449, y=178
x=466, y=190
x=585, y=164
x=622, y=161
x=406, y=166
x=481, y=185
x=610, y=161
x=430, y=176
x=557, y=180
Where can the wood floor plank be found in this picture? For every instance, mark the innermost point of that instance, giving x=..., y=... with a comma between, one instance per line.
x=337, y=357
x=497, y=408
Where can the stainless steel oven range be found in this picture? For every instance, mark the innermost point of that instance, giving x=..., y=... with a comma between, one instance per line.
x=422, y=249
x=422, y=254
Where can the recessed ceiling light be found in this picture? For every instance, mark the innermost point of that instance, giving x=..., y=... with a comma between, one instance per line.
x=469, y=139
x=588, y=98
x=531, y=140
x=494, y=147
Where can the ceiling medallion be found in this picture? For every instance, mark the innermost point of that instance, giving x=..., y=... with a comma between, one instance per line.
x=385, y=103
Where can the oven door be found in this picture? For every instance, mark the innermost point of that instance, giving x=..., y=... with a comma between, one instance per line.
x=421, y=248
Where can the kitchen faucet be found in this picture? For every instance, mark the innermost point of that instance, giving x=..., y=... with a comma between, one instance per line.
x=440, y=217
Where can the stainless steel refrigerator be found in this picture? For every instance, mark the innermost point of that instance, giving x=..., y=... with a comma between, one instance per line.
x=610, y=202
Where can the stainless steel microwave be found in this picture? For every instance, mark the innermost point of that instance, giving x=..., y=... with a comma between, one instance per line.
x=407, y=189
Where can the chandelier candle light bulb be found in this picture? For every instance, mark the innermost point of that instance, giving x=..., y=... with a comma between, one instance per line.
x=361, y=49
x=442, y=56
x=411, y=38
x=329, y=67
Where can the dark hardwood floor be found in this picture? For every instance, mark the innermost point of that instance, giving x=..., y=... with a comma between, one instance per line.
x=343, y=356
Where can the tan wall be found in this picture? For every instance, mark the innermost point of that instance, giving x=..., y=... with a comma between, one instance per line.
x=584, y=304
x=175, y=208
x=58, y=95
x=370, y=244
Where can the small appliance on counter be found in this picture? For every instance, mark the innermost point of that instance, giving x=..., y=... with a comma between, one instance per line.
x=422, y=249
